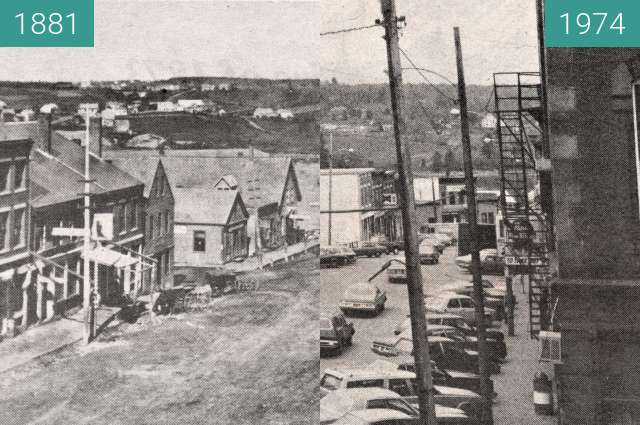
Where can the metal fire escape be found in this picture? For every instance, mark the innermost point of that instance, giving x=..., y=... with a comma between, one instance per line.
x=518, y=109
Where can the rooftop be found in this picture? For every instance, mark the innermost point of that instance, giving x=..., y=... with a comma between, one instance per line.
x=205, y=206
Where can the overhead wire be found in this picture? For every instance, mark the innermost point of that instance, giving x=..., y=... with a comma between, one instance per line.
x=322, y=34
x=424, y=77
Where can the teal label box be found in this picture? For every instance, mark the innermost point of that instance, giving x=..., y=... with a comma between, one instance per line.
x=46, y=23
x=592, y=23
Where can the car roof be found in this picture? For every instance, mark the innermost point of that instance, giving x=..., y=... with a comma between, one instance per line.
x=368, y=416
x=370, y=373
x=406, y=334
x=363, y=394
x=434, y=315
x=450, y=294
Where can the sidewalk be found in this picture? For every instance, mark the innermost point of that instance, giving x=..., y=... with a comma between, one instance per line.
x=270, y=258
x=46, y=338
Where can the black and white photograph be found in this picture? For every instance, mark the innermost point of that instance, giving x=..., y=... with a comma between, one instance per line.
x=479, y=214
x=159, y=225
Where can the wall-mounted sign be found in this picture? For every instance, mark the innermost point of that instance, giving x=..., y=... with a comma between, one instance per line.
x=102, y=229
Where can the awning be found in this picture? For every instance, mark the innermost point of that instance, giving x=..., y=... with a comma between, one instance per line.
x=110, y=257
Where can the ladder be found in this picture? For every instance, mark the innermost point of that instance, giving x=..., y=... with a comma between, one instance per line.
x=518, y=109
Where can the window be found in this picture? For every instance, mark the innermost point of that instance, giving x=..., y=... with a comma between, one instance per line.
x=466, y=303
x=151, y=228
x=453, y=303
x=133, y=215
x=366, y=383
x=490, y=218
x=401, y=386
x=4, y=218
x=452, y=198
x=483, y=218
x=199, y=241
x=17, y=231
x=120, y=218
x=159, y=225
x=20, y=174
x=5, y=171
x=166, y=262
x=166, y=222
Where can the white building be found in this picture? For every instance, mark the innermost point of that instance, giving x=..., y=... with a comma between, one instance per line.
x=285, y=114
x=207, y=87
x=109, y=115
x=167, y=107
x=191, y=105
x=352, y=189
x=489, y=121
x=264, y=113
x=426, y=189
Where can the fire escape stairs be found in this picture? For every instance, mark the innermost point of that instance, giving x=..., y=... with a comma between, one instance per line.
x=518, y=109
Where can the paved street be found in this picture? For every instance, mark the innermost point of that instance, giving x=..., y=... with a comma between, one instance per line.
x=513, y=384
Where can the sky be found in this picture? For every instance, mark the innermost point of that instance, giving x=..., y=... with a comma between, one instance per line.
x=497, y=35
x=156, y=39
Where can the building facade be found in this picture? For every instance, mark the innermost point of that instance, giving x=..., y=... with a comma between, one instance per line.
x=593, y=135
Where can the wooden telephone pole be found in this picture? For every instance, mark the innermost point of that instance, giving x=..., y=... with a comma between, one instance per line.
x=407, y=207
x=478, y=290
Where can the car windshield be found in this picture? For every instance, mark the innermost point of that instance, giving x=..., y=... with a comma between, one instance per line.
x=325, y=324
x=437, y=302
x=360, y=292
x=330, y=382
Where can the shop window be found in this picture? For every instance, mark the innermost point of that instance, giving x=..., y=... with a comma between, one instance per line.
x=20, y=175
x=17, y=231
x=199, y=241
x=5, y=171
x=132, y=219
x=4, y=223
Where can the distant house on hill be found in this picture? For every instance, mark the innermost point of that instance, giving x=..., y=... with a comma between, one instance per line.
x=489, y=121
x=191, y=105
x=285, y=114
x=207, y=87
x=264, y=113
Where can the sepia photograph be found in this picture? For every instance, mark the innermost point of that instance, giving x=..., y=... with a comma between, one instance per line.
x=478, y=213
x=159, y=225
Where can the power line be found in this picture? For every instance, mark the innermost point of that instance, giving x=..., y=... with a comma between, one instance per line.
x=322, y=34
x=419, y=70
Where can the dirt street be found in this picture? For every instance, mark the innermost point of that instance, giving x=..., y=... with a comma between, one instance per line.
x=249, y=359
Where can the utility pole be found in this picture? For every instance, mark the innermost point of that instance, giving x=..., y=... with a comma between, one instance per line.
x=330, y=187
x=407, y=207
x=478, y=291
x=86, y=244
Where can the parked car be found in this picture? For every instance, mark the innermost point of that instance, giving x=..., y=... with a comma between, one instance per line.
x=385, y=374
x=448, y=377
x=348, y=253
x=450, y=319
x=490, y=290
x=382, y=376
x=393, y=247
x=432, y=240
x=490, y=262
x=363, y=297
x=376, y=417
x=446, y=352
x=445, y=238
x=461, y=305
x=342, y=402
x=397, y=272
x=497, y=349
x=335, y=333
x=333, y=256
x=369, y=249
x=429, y=254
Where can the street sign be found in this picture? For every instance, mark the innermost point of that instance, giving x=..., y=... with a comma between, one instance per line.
x=67, y=232
x=102, y=228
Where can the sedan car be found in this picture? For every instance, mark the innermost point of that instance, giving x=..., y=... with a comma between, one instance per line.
x=446, y=352
x=370, y=249
x=450, y=319
x=363, y=297
x=490, y=262
x=461, y=305
x=429, y=254
x=340, y=403
x=333, y=256
x=335, y=333
x=397, y=272
x=432, y=240
x=497, y=349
